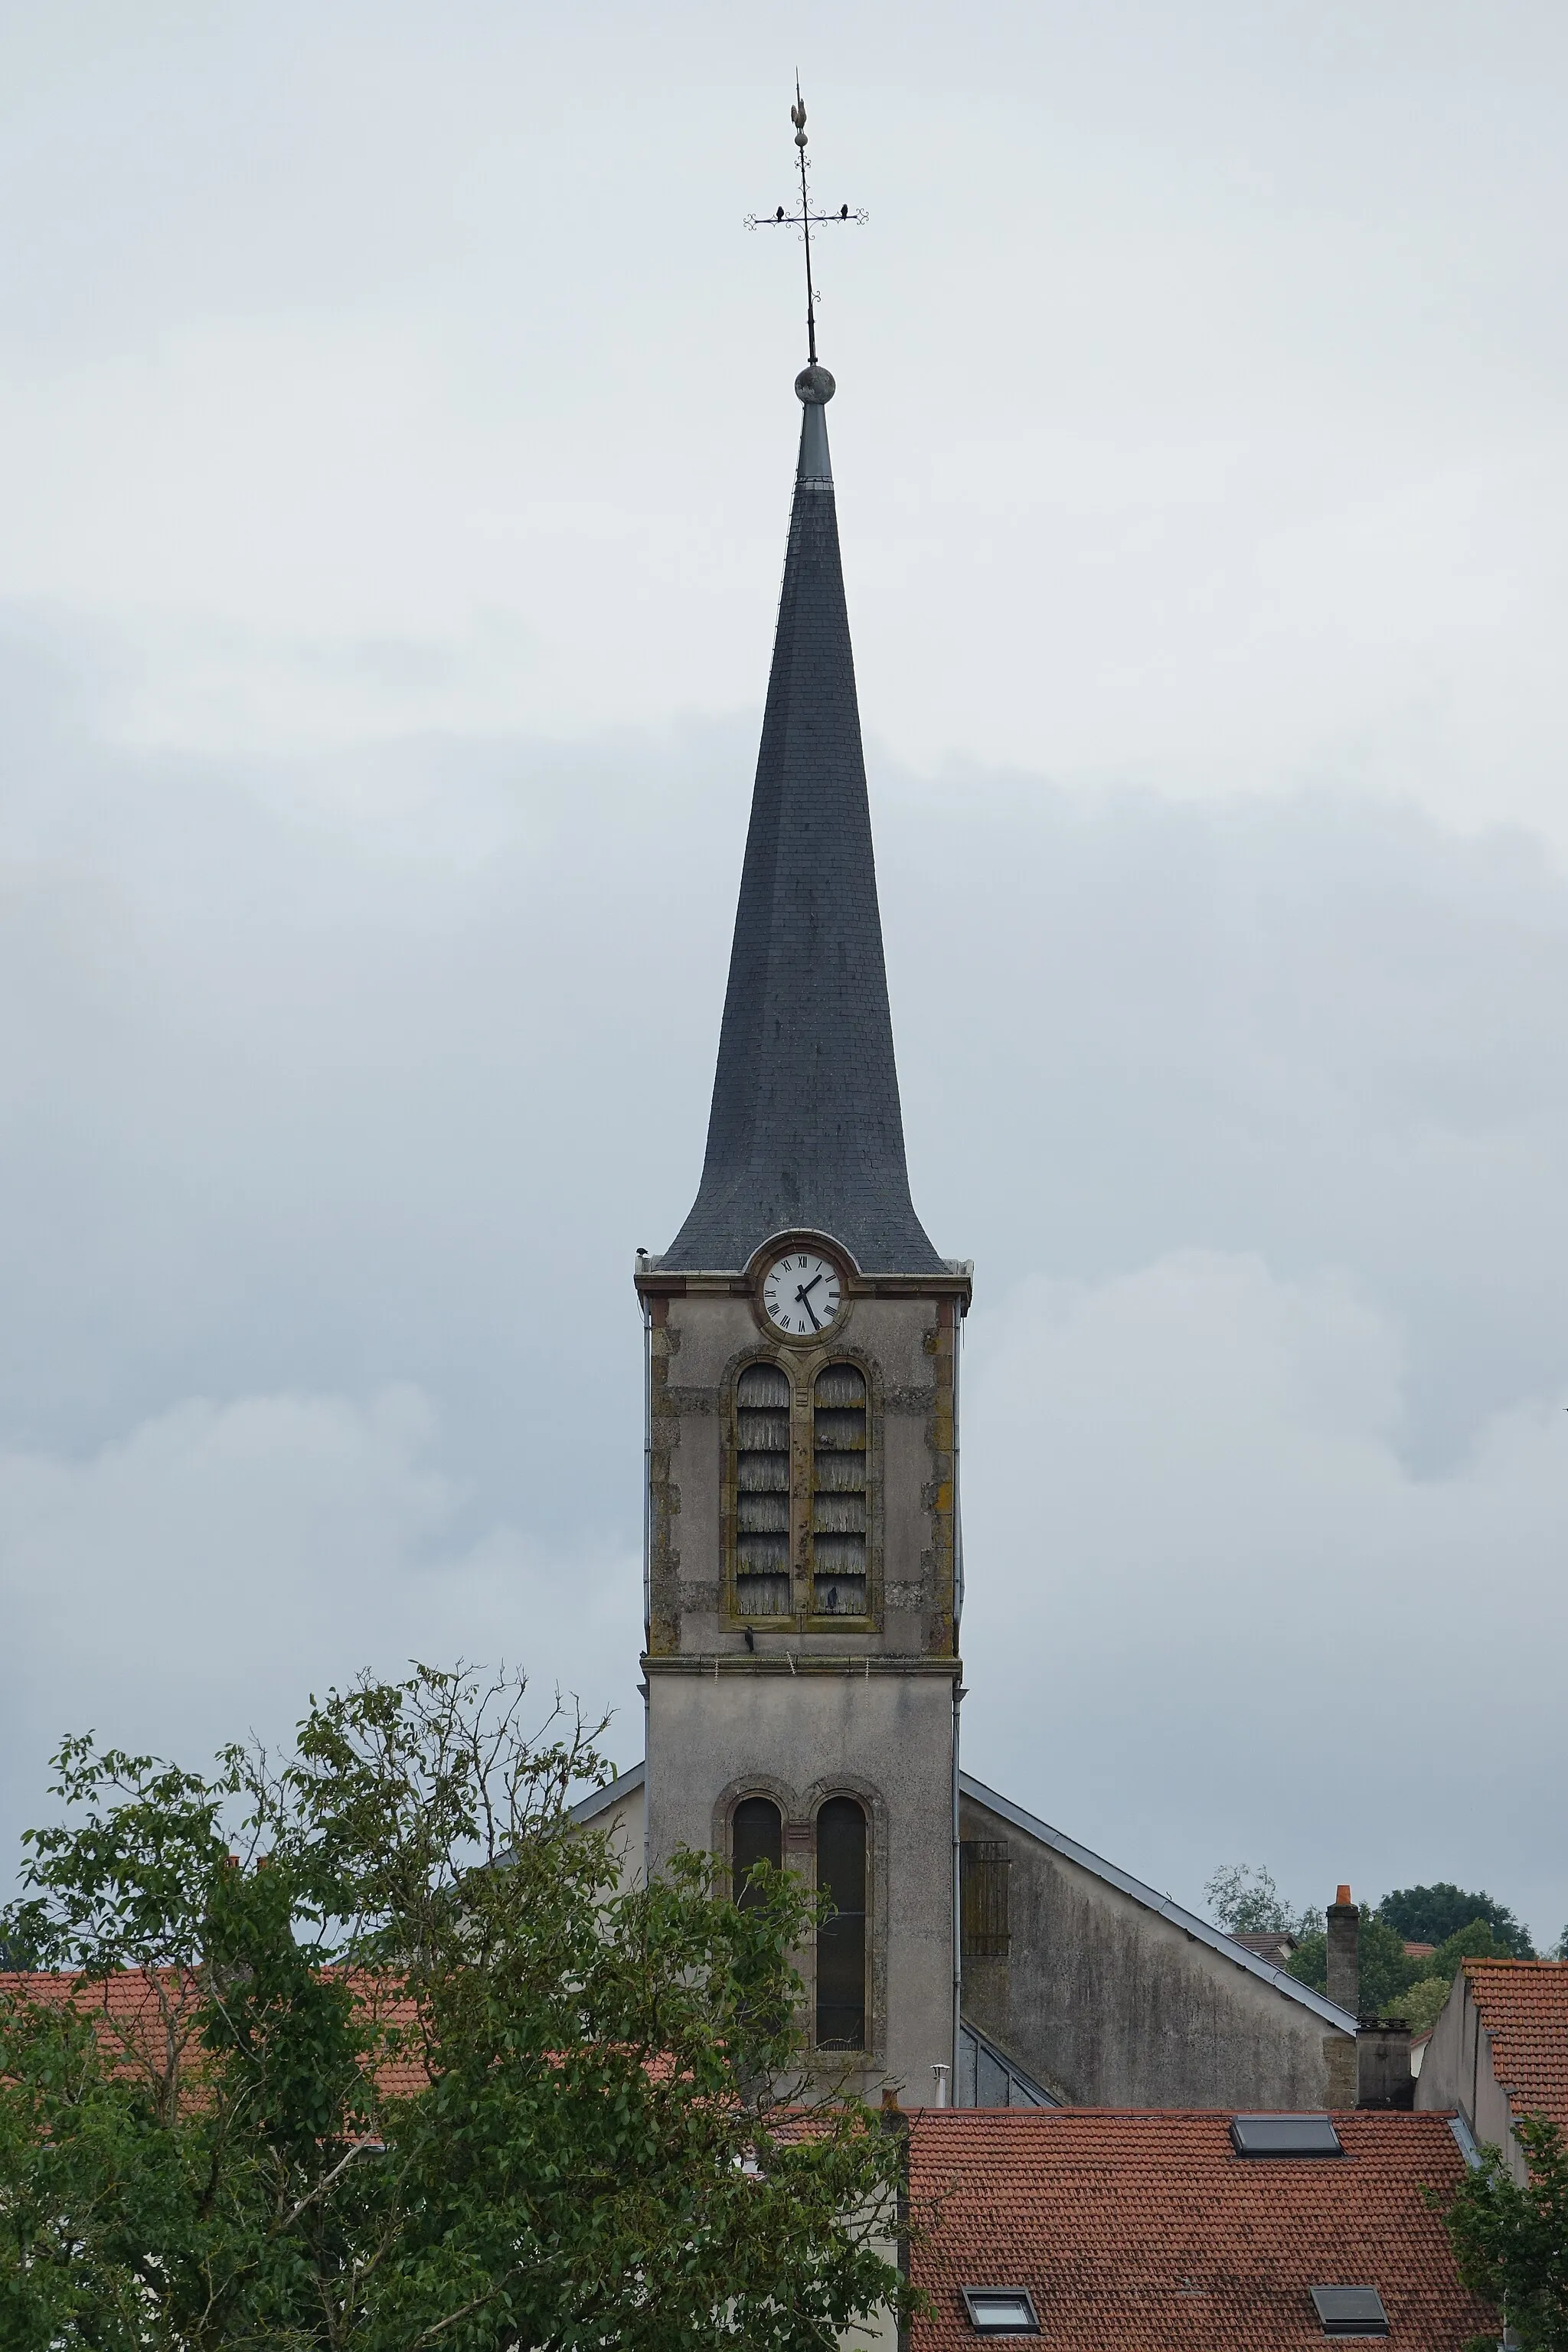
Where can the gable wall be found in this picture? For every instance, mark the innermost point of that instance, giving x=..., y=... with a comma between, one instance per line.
x=1457, y=2071
x=1108, y=2004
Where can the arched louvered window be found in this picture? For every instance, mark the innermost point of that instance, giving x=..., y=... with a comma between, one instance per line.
x=762, y=1492
x=757, y=1835
x=841, y=1940
x=838, y=1493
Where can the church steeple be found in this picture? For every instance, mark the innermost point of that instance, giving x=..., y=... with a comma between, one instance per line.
x=802, y=1579
x=805, y=1128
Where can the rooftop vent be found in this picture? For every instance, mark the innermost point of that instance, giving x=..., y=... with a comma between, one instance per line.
x=1284, y=2135
x=1351, y=2310
x=1002, y=2310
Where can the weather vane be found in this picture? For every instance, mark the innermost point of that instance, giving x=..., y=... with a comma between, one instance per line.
x=806, y=218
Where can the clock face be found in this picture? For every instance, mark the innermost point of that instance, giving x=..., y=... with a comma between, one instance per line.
x=801, y=1295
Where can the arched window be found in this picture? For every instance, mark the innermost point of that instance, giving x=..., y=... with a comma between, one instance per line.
x=838, y=1493
x=762, y=1492
x=757, y=1835
x=841, y=1942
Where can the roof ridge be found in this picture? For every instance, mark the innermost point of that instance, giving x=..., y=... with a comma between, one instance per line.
x=1203, y=1931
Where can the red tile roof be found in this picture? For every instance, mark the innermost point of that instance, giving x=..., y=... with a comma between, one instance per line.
x=1524, y=2004
x=1135, y=2232
x=147, y=2019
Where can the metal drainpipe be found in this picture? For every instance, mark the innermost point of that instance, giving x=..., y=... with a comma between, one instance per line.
x=957, y=1512
x=646, y=1560
x=957, y=1701
x=957, y=1900
x=646, y=1469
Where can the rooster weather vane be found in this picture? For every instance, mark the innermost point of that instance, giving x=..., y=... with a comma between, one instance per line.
x=805, y=218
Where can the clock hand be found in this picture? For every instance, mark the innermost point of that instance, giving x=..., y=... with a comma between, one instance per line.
x=802, y=1300
x=808, y=1286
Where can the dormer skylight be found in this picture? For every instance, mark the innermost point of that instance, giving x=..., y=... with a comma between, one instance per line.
x=1000, y=2310
x=1351, y=2310
x=1284, y=2135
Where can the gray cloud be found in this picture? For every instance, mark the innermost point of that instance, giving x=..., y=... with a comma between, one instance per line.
x=1202, y=375
x=339, y=1090
x=393, y=503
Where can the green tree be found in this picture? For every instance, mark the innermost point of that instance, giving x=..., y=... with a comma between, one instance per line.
x=1388, y=1976
x=1477, y=1941
x=412, y=2070
x=87, y=2178
x=1384, y=1971
x=1424, y=2002
x=1430, y=1915
x=1244, y=1900
x=1511, y=2243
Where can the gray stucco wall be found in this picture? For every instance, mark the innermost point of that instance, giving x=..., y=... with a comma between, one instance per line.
x=883, y=1737
x=1107, y=2003
x=1458, y=2073
x=620, y=1814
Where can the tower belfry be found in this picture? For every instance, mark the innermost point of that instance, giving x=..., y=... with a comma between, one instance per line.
x=802, y=1610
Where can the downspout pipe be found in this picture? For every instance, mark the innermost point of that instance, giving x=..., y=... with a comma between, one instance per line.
x=957, y=1702
x=646, y=1305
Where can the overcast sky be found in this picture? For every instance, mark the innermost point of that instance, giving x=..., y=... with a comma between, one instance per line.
x=396, y=445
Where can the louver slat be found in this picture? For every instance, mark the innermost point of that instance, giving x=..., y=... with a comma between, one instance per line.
x=838, y=1521
x=983, y=1866
x=762, y=1496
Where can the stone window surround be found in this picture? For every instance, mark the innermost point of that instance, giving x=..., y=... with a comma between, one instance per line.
x=798, y=1810
x=800, y=1367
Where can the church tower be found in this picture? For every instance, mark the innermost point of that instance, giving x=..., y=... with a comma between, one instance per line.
x=803, y=1569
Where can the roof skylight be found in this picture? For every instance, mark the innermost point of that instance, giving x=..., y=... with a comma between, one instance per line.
x=1284, y=2135
x=1000, y=2310
x=1351, y=2310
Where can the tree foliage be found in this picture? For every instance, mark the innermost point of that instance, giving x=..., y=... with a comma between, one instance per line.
x=1387, y=1974
x=1382, y=1969
x=1431, y=1914
x=1423, y=2003
x=412, y=2069
x=1511, y=2242
x=1245, y=1900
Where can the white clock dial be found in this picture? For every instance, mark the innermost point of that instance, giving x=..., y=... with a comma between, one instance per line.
x=800, y=1294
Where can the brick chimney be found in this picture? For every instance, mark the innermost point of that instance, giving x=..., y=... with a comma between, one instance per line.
x=1345, y=1922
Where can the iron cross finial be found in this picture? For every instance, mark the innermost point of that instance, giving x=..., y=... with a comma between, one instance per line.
x=806, y=218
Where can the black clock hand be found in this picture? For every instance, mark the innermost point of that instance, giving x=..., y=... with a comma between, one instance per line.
x=802, y=1300
x=800, y=1293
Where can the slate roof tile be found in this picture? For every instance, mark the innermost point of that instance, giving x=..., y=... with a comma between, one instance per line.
x=806, y=1128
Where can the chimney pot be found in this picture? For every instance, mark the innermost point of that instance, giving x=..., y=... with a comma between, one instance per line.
x=1341, y=1894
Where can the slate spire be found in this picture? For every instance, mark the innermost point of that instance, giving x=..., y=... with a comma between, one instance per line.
x=806, y=1128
